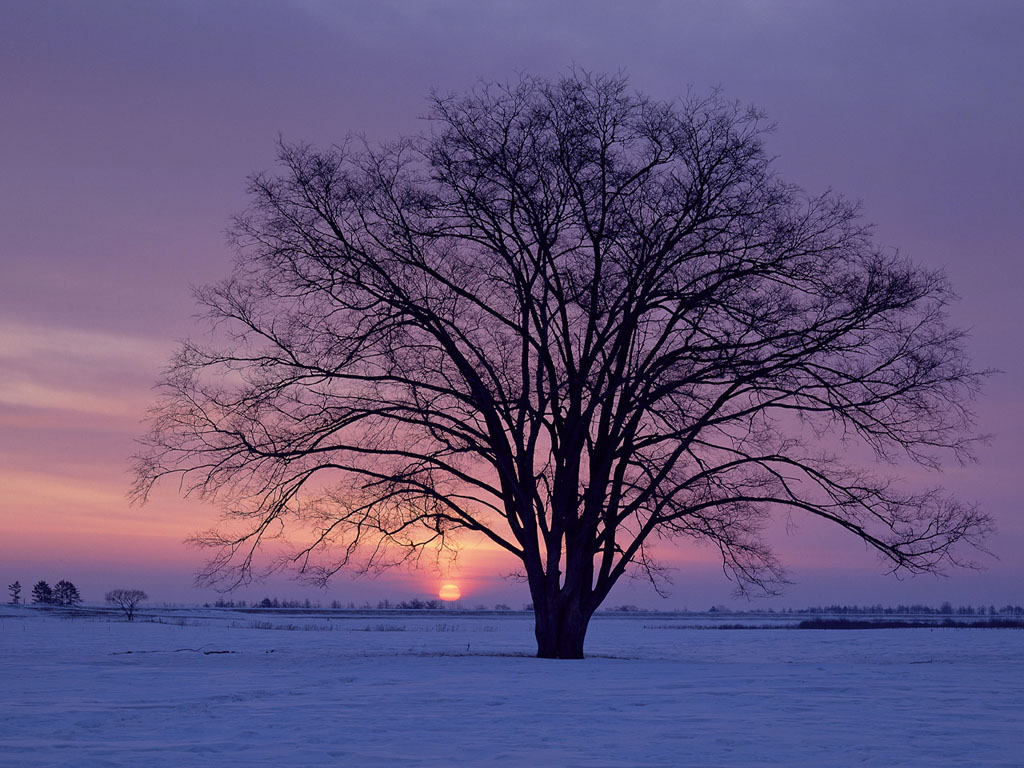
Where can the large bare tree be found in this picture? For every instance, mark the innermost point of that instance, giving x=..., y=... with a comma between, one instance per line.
x=575, y=320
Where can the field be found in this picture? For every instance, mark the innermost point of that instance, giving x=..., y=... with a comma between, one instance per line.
x=323, y=688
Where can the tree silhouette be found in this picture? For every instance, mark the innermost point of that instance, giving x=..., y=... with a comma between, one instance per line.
x=42, y=594
x=15, y=592
x=575, y=320
x=127, y=600
x=65, y=593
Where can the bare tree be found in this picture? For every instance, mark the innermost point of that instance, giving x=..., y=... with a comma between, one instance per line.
x=574, y=320
x=127, y=600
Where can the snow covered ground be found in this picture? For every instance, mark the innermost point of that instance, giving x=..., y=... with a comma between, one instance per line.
x=229, y=688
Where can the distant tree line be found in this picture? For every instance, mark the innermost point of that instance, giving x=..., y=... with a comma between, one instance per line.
x=66, y=594
x=920, y=609
x=947, y=623
x=411, y=605
x=63, y=593
x=946, y=609
x=267, y=602
x=414, y=604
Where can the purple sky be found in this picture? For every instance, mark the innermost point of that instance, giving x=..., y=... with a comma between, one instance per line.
x=127, y=131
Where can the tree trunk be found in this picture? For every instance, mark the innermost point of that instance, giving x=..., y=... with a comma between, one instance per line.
x=561, y=627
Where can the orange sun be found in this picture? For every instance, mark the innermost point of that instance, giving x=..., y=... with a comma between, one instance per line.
x=449, y=592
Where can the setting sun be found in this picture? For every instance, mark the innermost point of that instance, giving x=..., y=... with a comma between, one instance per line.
x=449, y=592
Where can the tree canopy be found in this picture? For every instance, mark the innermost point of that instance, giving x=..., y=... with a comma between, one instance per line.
x=65, y=593
x=42, y=593
x=573, y=319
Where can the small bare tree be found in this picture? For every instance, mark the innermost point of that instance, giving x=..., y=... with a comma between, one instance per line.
x=574, y=320
x=126, y=599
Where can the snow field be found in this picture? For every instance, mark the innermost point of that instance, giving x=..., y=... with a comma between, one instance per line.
x=223, y=688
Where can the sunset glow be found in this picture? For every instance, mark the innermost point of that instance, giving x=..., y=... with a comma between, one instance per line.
x=449, y=593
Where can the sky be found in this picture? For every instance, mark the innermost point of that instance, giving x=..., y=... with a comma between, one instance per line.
x=127, y=131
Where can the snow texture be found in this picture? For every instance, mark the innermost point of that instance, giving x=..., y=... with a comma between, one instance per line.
x=221, y=688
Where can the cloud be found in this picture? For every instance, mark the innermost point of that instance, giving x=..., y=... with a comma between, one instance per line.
x=32, y=394
x=40, y=491
x=87, y=372
x=20, y=341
